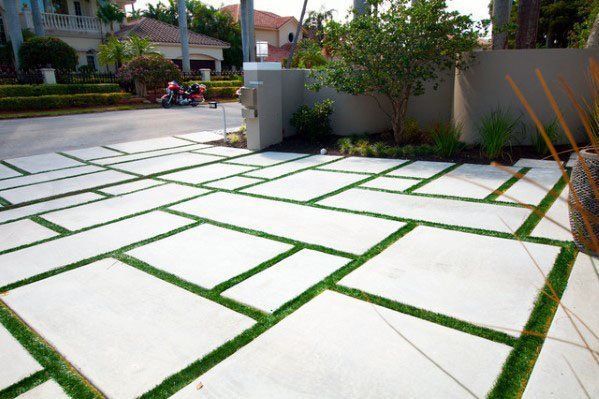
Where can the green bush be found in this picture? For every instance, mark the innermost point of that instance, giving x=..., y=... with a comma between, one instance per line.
x=223, y=83
x=43, y=51
x=45, y=90
x=539, y=144
x=313, y=122
x=496, y=131
x=60, y=101
x=221, y=93
x=446, y=139
x=362, y=147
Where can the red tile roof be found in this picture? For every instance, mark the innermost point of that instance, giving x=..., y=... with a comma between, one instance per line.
x=161, y=32
x=262, y=19
x=278, y=54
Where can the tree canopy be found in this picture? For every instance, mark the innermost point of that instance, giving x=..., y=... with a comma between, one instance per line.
x=397, y=50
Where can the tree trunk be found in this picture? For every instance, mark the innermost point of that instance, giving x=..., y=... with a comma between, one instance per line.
x=182, y=10
x=501, y=20
x=36, y=14
x=398, y=118
x=297, y=33
x=14, y=28
x=593, y=40
x=529, y=12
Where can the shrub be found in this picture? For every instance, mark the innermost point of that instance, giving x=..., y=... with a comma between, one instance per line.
x=221, y=93
x=41, y=51
x=539, y=144
x=496, y=131
x=313, y=122
x=60, y=101
x=44, y=90
x=446, y=139
x=151, y=70
x=345, y=145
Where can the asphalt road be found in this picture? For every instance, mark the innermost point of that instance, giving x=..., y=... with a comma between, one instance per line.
x=30, y=136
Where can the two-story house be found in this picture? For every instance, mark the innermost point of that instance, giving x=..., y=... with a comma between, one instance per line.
x=269, y=27
x=76, y=23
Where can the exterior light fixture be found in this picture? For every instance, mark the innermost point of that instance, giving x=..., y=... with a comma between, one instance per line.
x=261, y=50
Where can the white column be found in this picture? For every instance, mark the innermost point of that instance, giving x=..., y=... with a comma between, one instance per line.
x=205, y=74
x=217, y=66
x=48, y=75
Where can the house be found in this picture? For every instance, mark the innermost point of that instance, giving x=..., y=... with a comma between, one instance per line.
x=75, y=22
x=269, y=27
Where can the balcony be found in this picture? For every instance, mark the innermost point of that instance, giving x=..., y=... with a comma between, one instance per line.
x=72, y=24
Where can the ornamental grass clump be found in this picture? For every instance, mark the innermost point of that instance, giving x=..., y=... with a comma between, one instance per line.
x=553, y=133
x=496, y=132
x=446, y=139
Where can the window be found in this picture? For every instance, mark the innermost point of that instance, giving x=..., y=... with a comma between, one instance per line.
x=290, y=37
x=91, y=60
x=77, y=5
x=2, y=33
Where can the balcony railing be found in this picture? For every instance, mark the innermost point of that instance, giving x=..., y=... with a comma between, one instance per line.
x=71, y=23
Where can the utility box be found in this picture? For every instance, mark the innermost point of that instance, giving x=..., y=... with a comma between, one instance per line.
x=248, y=98
x=262, y=99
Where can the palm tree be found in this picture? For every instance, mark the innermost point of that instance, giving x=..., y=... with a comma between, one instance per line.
x=183, y=35
x=114, y=52
x=14, y=28
x=529, y=12
x=501, y=20
x=297, y=32
x=38, y=23
x=137, y=46
x=109, y=13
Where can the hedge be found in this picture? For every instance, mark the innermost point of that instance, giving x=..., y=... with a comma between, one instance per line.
x=60, y=101
x=45, y=90
x=221, y=93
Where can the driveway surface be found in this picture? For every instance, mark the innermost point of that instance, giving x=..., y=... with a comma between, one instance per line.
x=31, y=136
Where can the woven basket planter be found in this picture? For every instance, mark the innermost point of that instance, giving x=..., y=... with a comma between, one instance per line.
x=581, y=185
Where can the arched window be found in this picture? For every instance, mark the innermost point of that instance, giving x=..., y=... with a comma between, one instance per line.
x=290, y=37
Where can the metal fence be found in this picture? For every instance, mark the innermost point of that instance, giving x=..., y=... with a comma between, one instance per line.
x=70, y=77
x=223, y=75
x=21, y=77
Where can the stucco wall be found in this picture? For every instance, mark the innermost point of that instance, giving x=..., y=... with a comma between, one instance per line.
x=264, y=35
x=195, y=52
x=284, y=31
x=483, y=88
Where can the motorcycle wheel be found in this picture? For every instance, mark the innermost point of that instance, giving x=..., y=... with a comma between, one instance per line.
x=194, y=104
x=166, y=103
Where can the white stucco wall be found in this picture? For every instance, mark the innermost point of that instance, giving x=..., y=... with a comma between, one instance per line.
x=265, y=35
x=173, y=51
x=284, y=31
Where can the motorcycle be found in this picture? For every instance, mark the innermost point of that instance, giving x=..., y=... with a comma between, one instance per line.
x=178, y=94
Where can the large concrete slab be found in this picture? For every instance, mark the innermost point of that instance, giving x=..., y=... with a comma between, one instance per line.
x=280, y=283
x=150, y=166
x=306, y=185
x=225, y=151
x=206, y=173
x=421, y=169
x=364, y=165
x=124, y=329
x=437, y=210
x=556, y=223
x=202, y=137
x=92, y=153
x=22, y=232
x=203, y=255
x=293, y=166
x=43, y=162
x=16, y=362
x=528, y=192
x=6, y=172
x=43, y=177
x=232, y=183
x=341, y=347
x=29, y=210
x=88, y=215
x=565, y=368
x=338, y=230
x=159, y=143
x=131, y=187
x=489, y=281
x=64, y=186
x=28, y=262
x=468, y=180
x=267, y=158
x=149, y=154
x=537, y=163
x=47, y=390
x=390, y=183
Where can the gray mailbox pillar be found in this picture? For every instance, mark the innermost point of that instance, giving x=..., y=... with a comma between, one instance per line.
x=263, y=104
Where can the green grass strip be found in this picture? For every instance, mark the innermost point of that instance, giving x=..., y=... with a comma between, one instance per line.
x=535, y=217
x=58, y=369
x=518, y=367
x=505, y=186
x=24, y=385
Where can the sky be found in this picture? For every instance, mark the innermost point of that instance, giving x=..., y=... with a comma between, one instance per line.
x=478, y=9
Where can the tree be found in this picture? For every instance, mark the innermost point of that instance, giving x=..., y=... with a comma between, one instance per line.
x=137, y=46
x=39, y=52
x=559, y=19
x=113, y=52
x=162, y=12
x=529, y=12
x=109, y=13
x=315, y=23
x=396, y=51
x=501, y=21
x=309, y=55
